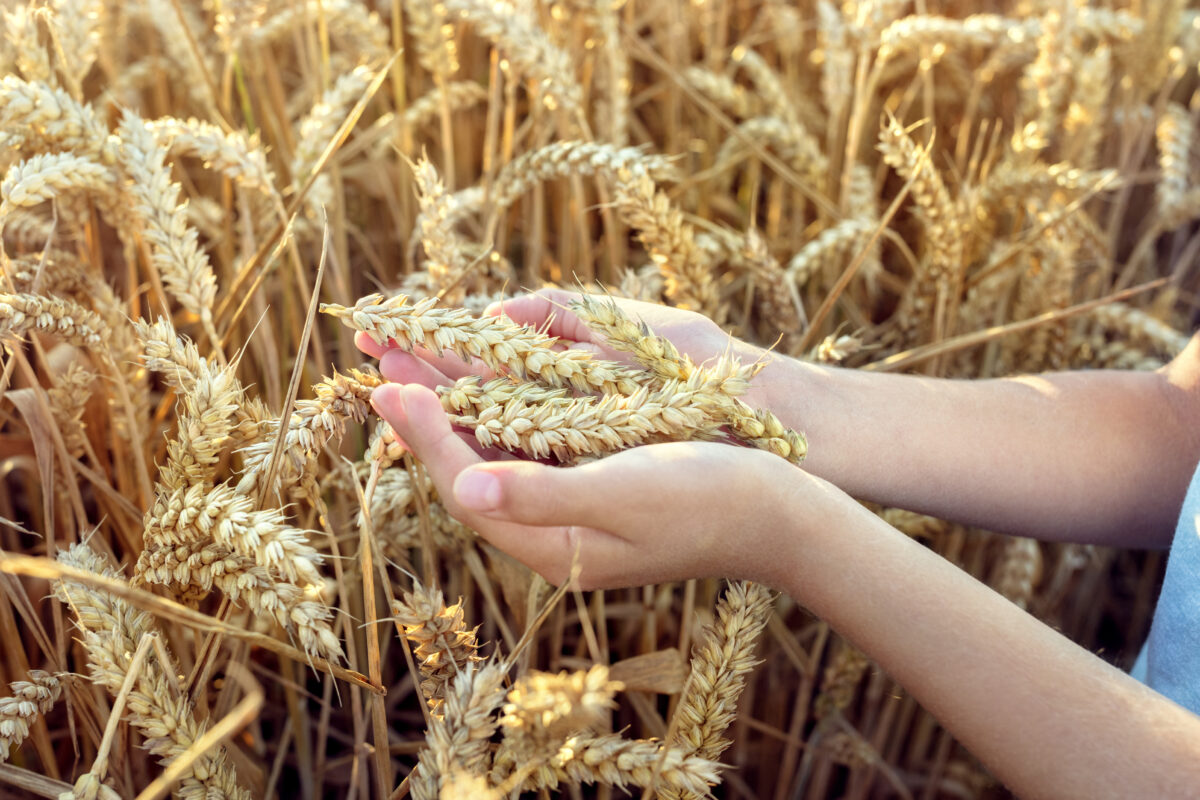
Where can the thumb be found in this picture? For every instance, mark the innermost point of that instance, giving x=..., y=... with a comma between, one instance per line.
x=529, y=493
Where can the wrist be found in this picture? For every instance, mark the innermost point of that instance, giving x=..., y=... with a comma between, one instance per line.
x=793, y=547
x=780, y=385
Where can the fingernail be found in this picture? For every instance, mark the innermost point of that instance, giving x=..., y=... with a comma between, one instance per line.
x=477, y=490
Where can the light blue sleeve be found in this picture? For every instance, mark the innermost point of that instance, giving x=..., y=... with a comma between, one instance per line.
x=1170, y=661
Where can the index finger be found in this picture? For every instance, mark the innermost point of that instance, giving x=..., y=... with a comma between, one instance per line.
x=547, y=306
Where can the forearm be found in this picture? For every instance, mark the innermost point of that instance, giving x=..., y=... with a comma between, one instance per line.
x=1048, y=718
x=1088, y=456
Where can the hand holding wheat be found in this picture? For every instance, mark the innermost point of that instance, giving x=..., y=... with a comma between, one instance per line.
x=647, y=515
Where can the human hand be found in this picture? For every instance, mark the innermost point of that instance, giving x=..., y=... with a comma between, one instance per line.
x=651, y=514
x=692, y=334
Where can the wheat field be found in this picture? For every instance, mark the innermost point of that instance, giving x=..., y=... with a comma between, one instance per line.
x=224, y=577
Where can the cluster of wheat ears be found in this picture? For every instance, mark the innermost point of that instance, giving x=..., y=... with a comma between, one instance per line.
x=962, y=188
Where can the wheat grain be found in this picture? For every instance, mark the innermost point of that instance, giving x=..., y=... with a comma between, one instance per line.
x=174, y=246
x=568, y=427
x=616, y=761
x=384, y=448
x=441, y=642
x=501, y=345
x=69, y=321
x=835, y=349
x=20, y=710
x=527, y=47
x=111, y=632
x=1019, y=570
x=457, y=741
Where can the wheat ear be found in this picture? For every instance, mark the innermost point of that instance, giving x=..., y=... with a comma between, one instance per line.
x=458, y=741
x=310, y=427
x=194, y=569
x=543, y=709
x=540, y=426
x=442, y=643
x=112, y=630
x=718, y=387
x=500, y=344
x=517, y=35
x=20, y=710
x=616, y=761
x=720, y=663
x=174, y=245
x=66, y=319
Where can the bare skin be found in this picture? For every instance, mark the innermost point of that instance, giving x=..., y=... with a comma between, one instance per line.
x=1096, y=456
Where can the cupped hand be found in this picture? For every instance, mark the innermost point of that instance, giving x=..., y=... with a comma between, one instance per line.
x=692, y=334
x=651, y=514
